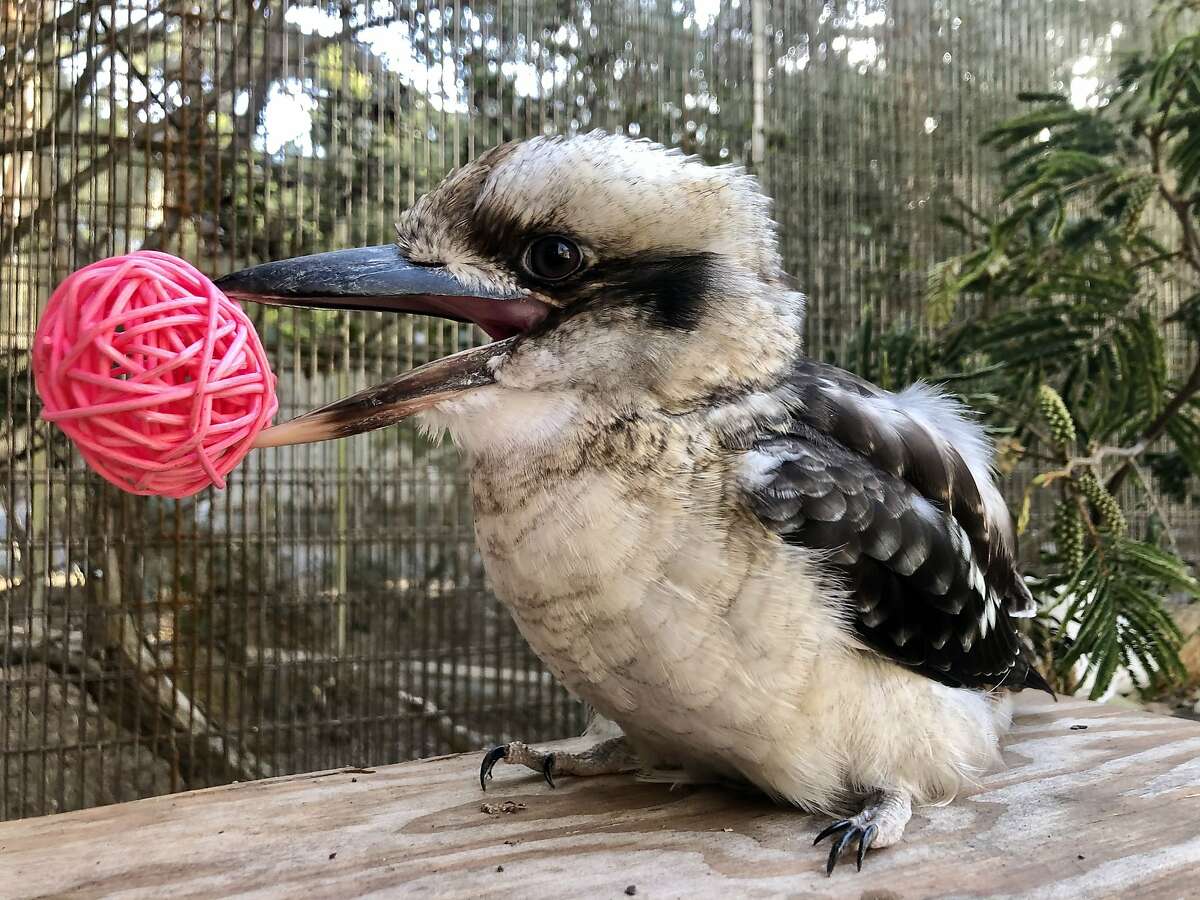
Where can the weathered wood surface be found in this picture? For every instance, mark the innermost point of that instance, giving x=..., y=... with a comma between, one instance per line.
x=1112, y=809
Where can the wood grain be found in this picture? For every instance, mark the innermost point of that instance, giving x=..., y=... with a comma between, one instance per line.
x=1109, y=810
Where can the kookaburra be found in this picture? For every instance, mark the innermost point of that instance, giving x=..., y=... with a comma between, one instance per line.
x=759, y=566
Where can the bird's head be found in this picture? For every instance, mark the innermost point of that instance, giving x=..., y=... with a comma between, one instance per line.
x=602, y=266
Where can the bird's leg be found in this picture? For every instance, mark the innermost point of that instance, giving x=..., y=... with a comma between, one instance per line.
x=880, y=824
x=608, y=757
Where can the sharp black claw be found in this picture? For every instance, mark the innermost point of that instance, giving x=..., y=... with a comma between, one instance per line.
x=865, y=842
x=548, y=769
x=490, y=759
x=835, y=851
x=832, y=829
x=847, y=832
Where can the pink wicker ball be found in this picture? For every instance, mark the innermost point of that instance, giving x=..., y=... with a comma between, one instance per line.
x=158, y=378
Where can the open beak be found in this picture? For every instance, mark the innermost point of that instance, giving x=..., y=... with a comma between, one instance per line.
x=381, y=278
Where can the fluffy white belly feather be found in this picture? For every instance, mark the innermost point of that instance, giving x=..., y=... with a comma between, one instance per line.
x=713, y=644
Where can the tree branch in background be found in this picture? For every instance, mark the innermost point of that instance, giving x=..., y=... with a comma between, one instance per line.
x=277, y=59
x=120, y=646
x=1092, y=461
x=10, y=237
x=189, y=739
x=458, y=737
x=158, y=691
x=1182, y=208
x=1159, y=426
x=15, y=51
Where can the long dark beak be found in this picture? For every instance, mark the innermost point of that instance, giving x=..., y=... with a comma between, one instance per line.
x=381, y=278
x=393, y=401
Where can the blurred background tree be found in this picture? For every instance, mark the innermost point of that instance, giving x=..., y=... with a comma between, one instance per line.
x=1052, y=325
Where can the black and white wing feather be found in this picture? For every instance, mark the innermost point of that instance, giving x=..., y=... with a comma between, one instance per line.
x=897, y=489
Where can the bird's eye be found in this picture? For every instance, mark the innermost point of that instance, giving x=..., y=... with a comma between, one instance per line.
x=553, y=258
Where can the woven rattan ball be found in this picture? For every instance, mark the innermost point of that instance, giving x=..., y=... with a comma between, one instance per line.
x=157, y=377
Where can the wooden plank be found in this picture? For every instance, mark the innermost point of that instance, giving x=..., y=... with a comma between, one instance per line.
x=1105, y=810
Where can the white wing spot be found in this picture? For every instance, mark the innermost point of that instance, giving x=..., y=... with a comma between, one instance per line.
x=988, y=619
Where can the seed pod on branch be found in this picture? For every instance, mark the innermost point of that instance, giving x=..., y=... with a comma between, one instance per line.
x=1068, y=535
x=1102, y=501
x=1139, y=193
x=1058, y=417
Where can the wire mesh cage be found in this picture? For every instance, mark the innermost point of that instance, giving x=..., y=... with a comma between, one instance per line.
x=329, y=608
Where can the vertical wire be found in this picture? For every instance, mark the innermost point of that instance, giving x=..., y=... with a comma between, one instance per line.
x=252, y=482
x=39, y=532
x=10, y=201
x=494, y=698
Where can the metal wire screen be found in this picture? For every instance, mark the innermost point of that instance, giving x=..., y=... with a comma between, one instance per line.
x=328, y=608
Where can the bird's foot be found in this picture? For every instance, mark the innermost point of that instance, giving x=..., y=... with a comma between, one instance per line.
x=605, y=758
x=880, y=824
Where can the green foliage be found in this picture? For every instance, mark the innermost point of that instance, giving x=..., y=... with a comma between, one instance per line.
x=1115, y=616
x=891, y=358
x=1050, y=323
